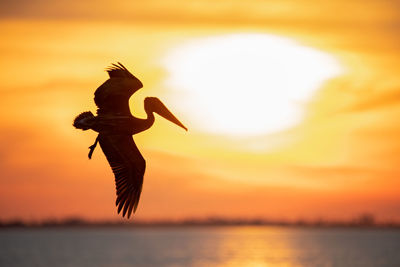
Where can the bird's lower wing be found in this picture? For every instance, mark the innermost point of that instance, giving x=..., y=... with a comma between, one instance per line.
x=128, y=166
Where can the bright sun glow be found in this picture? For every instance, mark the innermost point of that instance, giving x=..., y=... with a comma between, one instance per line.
x=245, y=84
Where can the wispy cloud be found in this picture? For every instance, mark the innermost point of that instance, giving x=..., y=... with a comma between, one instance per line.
x=206, y=11
x=376, y=101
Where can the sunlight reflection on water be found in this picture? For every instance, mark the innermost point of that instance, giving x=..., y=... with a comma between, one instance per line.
x=199, y=247
x=249, y=247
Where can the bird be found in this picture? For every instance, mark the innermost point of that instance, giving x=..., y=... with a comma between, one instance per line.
x=116, y=126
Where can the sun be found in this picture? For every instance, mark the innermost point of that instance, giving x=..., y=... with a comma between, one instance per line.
x=245, y=84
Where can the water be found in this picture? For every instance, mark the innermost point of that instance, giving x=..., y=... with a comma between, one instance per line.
x=199, y=247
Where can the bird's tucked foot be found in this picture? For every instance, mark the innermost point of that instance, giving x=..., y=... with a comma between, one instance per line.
x=92, y=147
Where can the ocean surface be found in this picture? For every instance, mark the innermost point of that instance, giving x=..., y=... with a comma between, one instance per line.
x=200, y=246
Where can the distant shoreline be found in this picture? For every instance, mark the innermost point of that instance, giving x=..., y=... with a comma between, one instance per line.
x=362, y=222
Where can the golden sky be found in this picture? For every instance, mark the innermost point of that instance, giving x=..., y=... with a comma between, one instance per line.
x=340, y=158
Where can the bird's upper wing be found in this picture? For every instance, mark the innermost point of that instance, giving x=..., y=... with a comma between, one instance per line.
x=112, y=97
x=128, y=166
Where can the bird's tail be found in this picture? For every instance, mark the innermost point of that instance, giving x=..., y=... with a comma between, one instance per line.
x=84, y=121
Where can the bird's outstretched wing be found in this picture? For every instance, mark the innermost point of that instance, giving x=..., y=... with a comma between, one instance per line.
x=128, y=166
x=112, y=97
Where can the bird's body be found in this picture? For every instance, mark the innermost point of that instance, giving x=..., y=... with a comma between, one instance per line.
x=116, y=125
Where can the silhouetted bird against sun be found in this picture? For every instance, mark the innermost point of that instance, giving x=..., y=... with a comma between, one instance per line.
x=116, y=125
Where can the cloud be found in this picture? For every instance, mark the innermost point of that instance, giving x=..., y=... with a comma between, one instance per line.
x=375, y=101
x=205, y=11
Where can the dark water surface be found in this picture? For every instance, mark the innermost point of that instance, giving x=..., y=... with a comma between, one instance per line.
x=200, y=246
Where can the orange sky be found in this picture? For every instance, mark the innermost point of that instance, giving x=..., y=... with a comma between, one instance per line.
x=340, y=161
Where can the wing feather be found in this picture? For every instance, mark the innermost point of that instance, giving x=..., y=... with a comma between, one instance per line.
x=128, y=167
x=118, y=70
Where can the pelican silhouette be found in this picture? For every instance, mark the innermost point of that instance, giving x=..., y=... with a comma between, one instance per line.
x=116, y=125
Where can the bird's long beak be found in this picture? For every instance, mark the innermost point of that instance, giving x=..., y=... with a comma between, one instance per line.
x=162, y=110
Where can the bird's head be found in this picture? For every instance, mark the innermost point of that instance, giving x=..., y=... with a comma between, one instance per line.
x=153, y=104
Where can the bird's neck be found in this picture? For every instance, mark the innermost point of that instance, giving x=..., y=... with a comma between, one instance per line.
x=150, y=118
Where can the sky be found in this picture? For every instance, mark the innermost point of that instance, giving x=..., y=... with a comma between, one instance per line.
x=301, y=122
